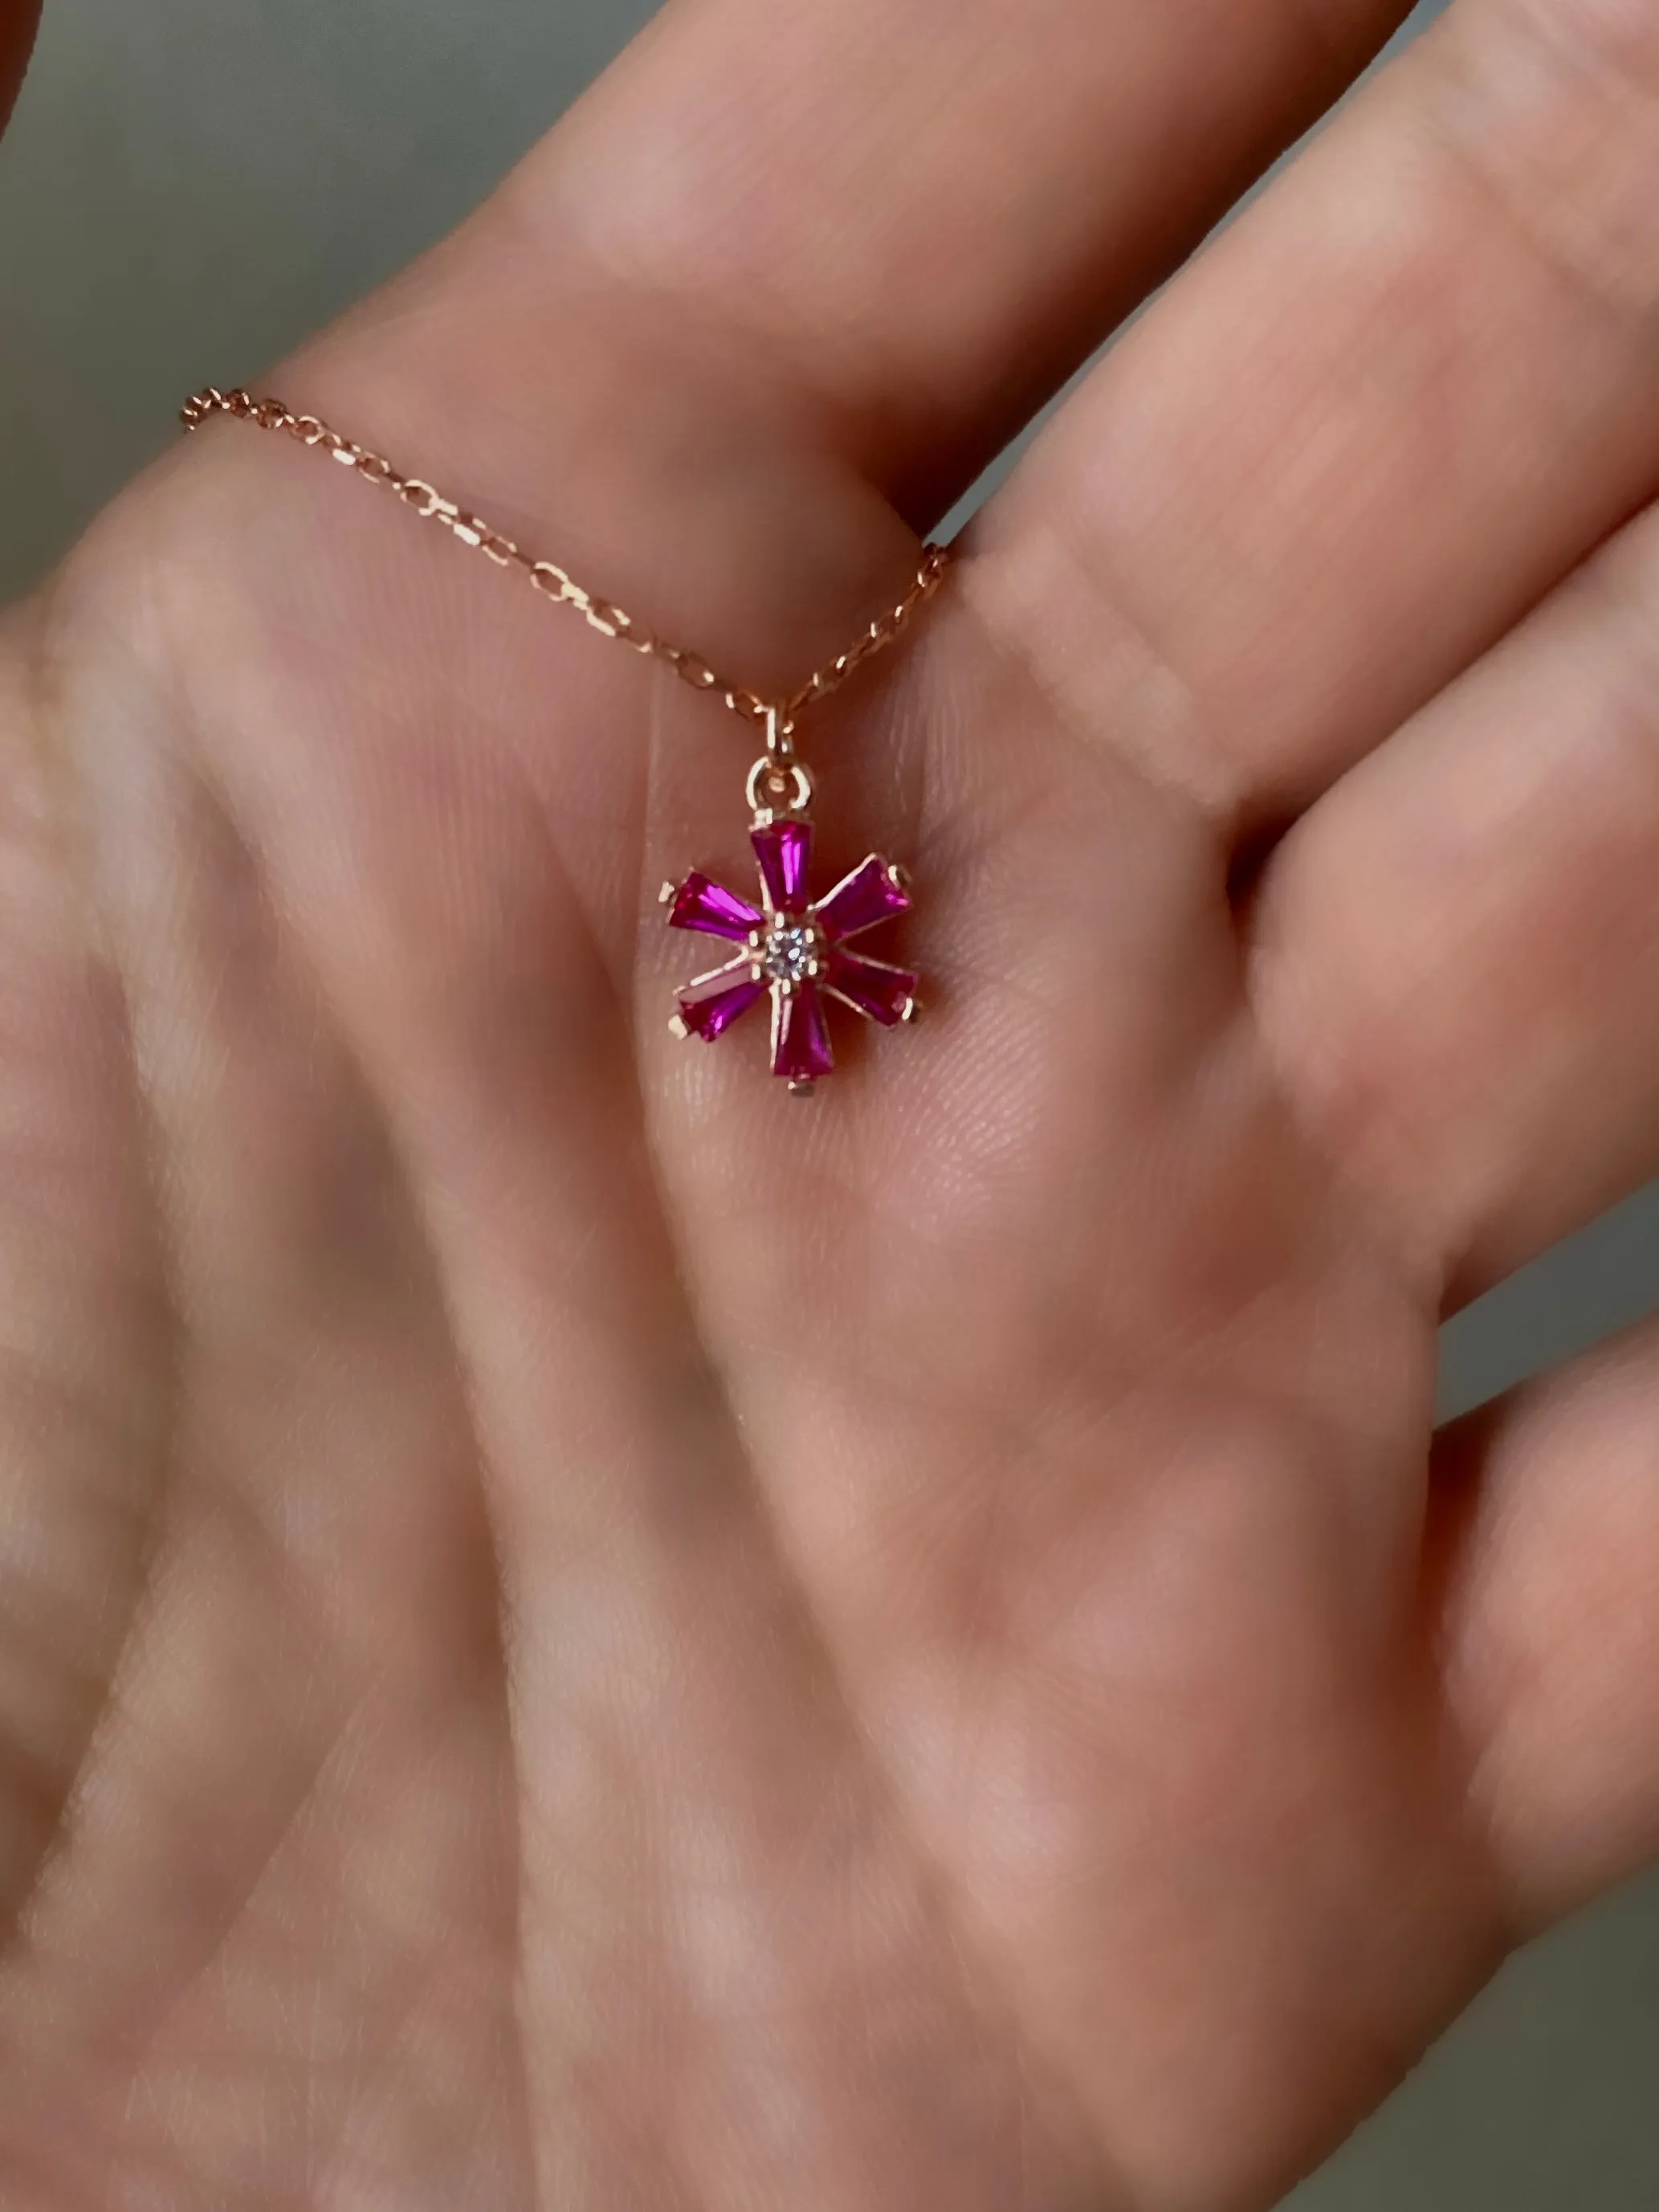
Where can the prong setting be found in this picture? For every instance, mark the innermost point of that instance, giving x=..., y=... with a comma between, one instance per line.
x=790, y=950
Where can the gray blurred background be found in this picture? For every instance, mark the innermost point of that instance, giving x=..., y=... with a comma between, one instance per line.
x=190, y=184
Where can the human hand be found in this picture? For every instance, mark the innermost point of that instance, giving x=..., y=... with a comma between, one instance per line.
x=579, y=1633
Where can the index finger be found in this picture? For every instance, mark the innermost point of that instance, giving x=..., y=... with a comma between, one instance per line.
x=912, y=221
x=935, y=211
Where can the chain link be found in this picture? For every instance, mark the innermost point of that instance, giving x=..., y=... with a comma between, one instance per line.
x=775, y=716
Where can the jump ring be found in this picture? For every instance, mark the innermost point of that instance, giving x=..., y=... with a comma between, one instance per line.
x=768, y=779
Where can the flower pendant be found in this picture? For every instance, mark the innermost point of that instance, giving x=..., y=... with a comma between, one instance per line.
x=794, y=950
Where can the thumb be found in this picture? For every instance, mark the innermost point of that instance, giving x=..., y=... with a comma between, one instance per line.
x=18, y=19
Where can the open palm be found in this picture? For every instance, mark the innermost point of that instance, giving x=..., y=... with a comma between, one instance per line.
x=577, y=1632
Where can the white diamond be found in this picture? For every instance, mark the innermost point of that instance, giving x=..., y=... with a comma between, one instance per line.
x=788, y=951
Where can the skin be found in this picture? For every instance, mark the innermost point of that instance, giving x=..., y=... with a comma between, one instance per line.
x=18, y=21
x=575, y=1632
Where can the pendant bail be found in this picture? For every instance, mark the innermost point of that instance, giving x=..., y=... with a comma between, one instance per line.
x=777, y=788
x=779, y=735
x=778, y=782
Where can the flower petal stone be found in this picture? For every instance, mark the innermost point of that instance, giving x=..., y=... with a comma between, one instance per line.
x=883, y=993
x=800, y=1037
x=710, y=1006
x=784, y=850
x=870, y=894
x=702, y=903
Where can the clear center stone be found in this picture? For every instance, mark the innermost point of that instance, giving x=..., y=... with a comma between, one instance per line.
x=788, y=951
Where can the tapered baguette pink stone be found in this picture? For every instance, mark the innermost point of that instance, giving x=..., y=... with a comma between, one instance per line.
x=710, y=1007
x=870, y=894
x=802, y=1052
x=885, y=994
x=784, y=850
x=702, y=903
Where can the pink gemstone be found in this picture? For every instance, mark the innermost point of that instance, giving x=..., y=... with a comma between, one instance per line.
x=710, y=1006
x=784, y=850
x=800, y=1047
x=881, y=991
x=859, y=901
x=702, y=903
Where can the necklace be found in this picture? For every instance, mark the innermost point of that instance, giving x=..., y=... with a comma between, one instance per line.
x=790, y=949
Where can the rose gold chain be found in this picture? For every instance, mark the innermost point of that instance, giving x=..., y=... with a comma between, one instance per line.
x=776, y=716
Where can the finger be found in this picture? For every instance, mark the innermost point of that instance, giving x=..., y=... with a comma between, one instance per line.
x=84, y=1334
x=1458, y=948
x=1392, y=405
x=1548, y=1554
x=929, y=215
x=882, y=233
x=312, y=1673
x=19, y=20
